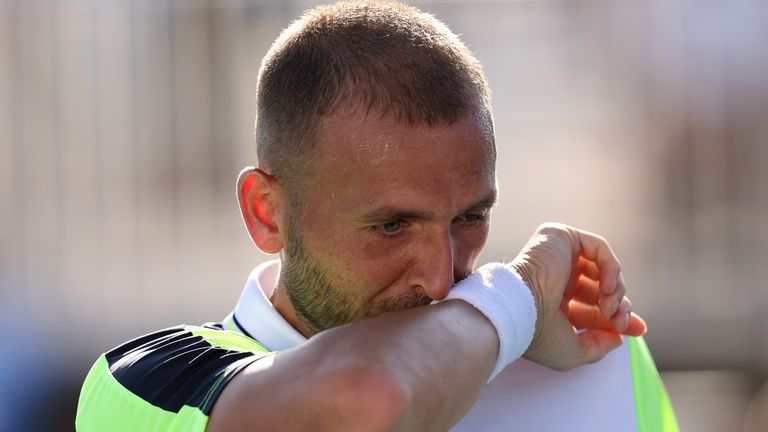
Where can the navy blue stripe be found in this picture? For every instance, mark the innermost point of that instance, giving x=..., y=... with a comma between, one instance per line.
x=240, y=326
x=173, y=367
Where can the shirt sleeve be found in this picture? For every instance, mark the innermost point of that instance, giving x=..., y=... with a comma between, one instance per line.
x=164, y=381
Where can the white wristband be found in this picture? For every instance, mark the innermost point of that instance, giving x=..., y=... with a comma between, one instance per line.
x=501, y=295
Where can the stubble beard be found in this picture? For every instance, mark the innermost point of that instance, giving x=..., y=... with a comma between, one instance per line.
x=320, y=300
x=319, y=303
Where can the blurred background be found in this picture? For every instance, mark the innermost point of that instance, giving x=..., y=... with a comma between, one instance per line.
x=124, y=123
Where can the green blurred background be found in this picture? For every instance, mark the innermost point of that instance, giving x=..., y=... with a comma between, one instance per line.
x=124, y=123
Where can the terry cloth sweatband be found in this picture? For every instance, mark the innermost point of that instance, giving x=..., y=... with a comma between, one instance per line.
x=500, y=294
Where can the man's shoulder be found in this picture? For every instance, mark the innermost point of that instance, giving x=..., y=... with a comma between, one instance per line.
x=212, y=333
x=164, y=377
x=167, y=354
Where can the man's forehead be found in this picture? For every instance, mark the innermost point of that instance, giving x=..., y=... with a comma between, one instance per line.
x=365, y=162
x=374, y=137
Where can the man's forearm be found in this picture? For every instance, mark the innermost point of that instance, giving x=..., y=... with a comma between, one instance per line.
x=420, y=369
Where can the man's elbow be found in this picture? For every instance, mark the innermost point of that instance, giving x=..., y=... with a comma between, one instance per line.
x=343, y=397
x=369, y=397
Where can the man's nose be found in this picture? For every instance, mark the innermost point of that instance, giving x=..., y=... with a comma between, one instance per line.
x=433, y=270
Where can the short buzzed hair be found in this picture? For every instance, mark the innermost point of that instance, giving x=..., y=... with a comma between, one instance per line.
x=383, y=57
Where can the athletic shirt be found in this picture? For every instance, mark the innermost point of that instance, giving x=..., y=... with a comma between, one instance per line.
x=170, y=379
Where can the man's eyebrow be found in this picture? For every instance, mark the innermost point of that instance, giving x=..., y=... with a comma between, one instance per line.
x=384, y=214
x=486, y=202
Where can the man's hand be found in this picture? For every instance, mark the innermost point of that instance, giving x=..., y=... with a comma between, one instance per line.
x=582, y=311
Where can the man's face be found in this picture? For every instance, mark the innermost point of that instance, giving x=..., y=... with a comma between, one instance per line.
x=394, y=215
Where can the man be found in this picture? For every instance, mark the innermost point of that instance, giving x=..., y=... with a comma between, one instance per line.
x=375, y=184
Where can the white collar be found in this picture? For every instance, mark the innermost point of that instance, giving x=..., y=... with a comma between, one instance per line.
x=255, y=316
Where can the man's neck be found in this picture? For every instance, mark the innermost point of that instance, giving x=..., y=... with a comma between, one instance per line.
x=282, y=304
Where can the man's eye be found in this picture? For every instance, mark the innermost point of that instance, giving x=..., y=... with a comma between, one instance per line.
x=390, y=227
x=472, y=217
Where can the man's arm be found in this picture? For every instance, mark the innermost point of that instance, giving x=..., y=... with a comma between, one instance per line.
x=419, y=369
x=422, y=369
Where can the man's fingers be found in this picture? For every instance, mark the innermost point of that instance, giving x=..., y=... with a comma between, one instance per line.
x=586, y=316
x=620, y=319
x=588, y=290
x=597, y=249
x=609, y=304
x=588, y=268
x=636, y=326
x=587, y=286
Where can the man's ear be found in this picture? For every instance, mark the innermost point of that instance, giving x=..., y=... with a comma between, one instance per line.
x=261, y=204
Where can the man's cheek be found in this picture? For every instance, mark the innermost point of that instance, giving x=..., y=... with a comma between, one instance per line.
x=377, y=248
